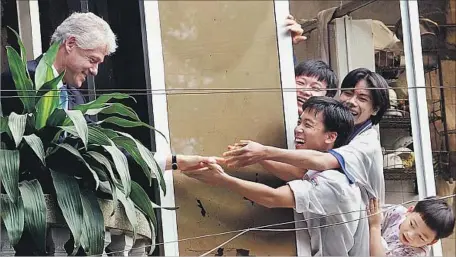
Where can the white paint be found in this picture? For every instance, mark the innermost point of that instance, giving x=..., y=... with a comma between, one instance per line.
x=290, y=108
x=186, y=146
x=160, y=109
x=29, y=27
x=184, y=32
x=207, y=80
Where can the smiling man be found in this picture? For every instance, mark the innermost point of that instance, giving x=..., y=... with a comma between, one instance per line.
x=85, y=40
x=314, y=78
x=324, y=124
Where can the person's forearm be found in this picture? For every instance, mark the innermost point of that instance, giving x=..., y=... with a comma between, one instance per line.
x=285, y=172
x=256, y=192
x=303, y=159
x=375, y=244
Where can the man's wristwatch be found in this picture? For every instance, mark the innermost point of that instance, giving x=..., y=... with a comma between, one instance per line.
x=174, y=162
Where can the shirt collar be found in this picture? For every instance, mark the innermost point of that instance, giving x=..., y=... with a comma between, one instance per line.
x=56, y=74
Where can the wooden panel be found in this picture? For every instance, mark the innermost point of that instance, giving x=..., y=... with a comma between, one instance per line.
x=223, y=45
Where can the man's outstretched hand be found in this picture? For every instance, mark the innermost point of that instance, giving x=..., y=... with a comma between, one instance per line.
x=212, y=174
x=244, y=153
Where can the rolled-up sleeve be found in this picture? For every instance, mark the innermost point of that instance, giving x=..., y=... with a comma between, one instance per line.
x=307, y=196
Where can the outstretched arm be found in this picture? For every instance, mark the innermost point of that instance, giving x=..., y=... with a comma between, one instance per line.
x=213, y=174
x=250, y=152
x=283, y=171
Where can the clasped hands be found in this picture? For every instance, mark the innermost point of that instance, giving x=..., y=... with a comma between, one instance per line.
x=241, y=154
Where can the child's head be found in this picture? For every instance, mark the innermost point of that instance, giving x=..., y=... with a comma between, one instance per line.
x=427, y=222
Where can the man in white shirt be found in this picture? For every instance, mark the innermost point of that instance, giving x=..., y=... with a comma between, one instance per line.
x=324, y=124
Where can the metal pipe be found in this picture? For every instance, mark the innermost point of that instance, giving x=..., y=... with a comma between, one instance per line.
x=341, y=11
x=418, y=113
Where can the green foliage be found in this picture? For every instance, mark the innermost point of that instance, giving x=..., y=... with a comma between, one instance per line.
x=33, y=144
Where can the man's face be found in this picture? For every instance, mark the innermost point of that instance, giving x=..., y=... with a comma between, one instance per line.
x=308, y=87
x=359, y=101
x=414, y=232
x=80, y=63
x=310, y=132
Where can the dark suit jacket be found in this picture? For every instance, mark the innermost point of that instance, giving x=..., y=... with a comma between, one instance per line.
x=13, y=103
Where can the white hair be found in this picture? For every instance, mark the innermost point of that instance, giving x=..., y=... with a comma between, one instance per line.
x=89, y=30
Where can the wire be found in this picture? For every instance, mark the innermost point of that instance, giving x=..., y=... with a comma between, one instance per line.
x=199, y=91
x=263, y=228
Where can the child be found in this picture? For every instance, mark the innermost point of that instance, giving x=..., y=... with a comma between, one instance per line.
x=409, y=232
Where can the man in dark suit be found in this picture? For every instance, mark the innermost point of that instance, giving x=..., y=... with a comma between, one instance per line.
x=85, y=40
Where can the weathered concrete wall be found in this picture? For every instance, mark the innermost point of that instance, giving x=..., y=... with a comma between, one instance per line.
x=222, y=45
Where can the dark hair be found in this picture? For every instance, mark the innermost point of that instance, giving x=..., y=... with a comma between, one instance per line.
x=321, y=71
x=380, y=95
x=437, y=214
x=336, y=117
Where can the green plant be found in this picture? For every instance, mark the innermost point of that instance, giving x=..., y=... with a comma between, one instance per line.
x=34, y=143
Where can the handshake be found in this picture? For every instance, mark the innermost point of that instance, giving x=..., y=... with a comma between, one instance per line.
x=209, y=169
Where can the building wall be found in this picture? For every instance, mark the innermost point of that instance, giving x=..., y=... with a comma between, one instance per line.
x=208, y=46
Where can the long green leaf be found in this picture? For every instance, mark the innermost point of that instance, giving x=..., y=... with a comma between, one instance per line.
x=45, y=107
x=49, y=86
x=57, y=118
x=93, y=229
x=121, y=164
x=129, y=124
x=96, y=136
x=148, y=157
x=44, y=70
x=130, y=211
x=80, y=124
x=23, y=83
x=112, y=179
x=17, y=125
x=114, y=108
x=13, y=218
x=142, y=201
x=34, y=211
x=103, y=161
x=9, y=172
x=130, y=147
x=98, y=103
x=37, y=146
x=76, y=153
x=121, y=109
x=108, y=132
x=4, y=125
x=69, y=200
x=21, y=45
x=44, y=73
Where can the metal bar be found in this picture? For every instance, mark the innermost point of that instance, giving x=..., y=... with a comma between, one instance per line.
x=341, y=11
x=160, y=118
x=442, y=104
x=418, y=112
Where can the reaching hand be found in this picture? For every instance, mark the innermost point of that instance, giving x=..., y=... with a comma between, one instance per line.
x=193, y=162
x=244, y=153
x=211, y=174
x=374, y=209
x=295, y=30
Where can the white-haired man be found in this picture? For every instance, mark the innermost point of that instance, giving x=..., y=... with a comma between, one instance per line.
x=85, y=40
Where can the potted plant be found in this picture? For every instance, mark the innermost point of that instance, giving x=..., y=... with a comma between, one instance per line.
x=47, y=151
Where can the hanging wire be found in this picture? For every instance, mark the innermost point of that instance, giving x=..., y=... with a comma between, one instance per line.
x=265, y=228
x=189, y=91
